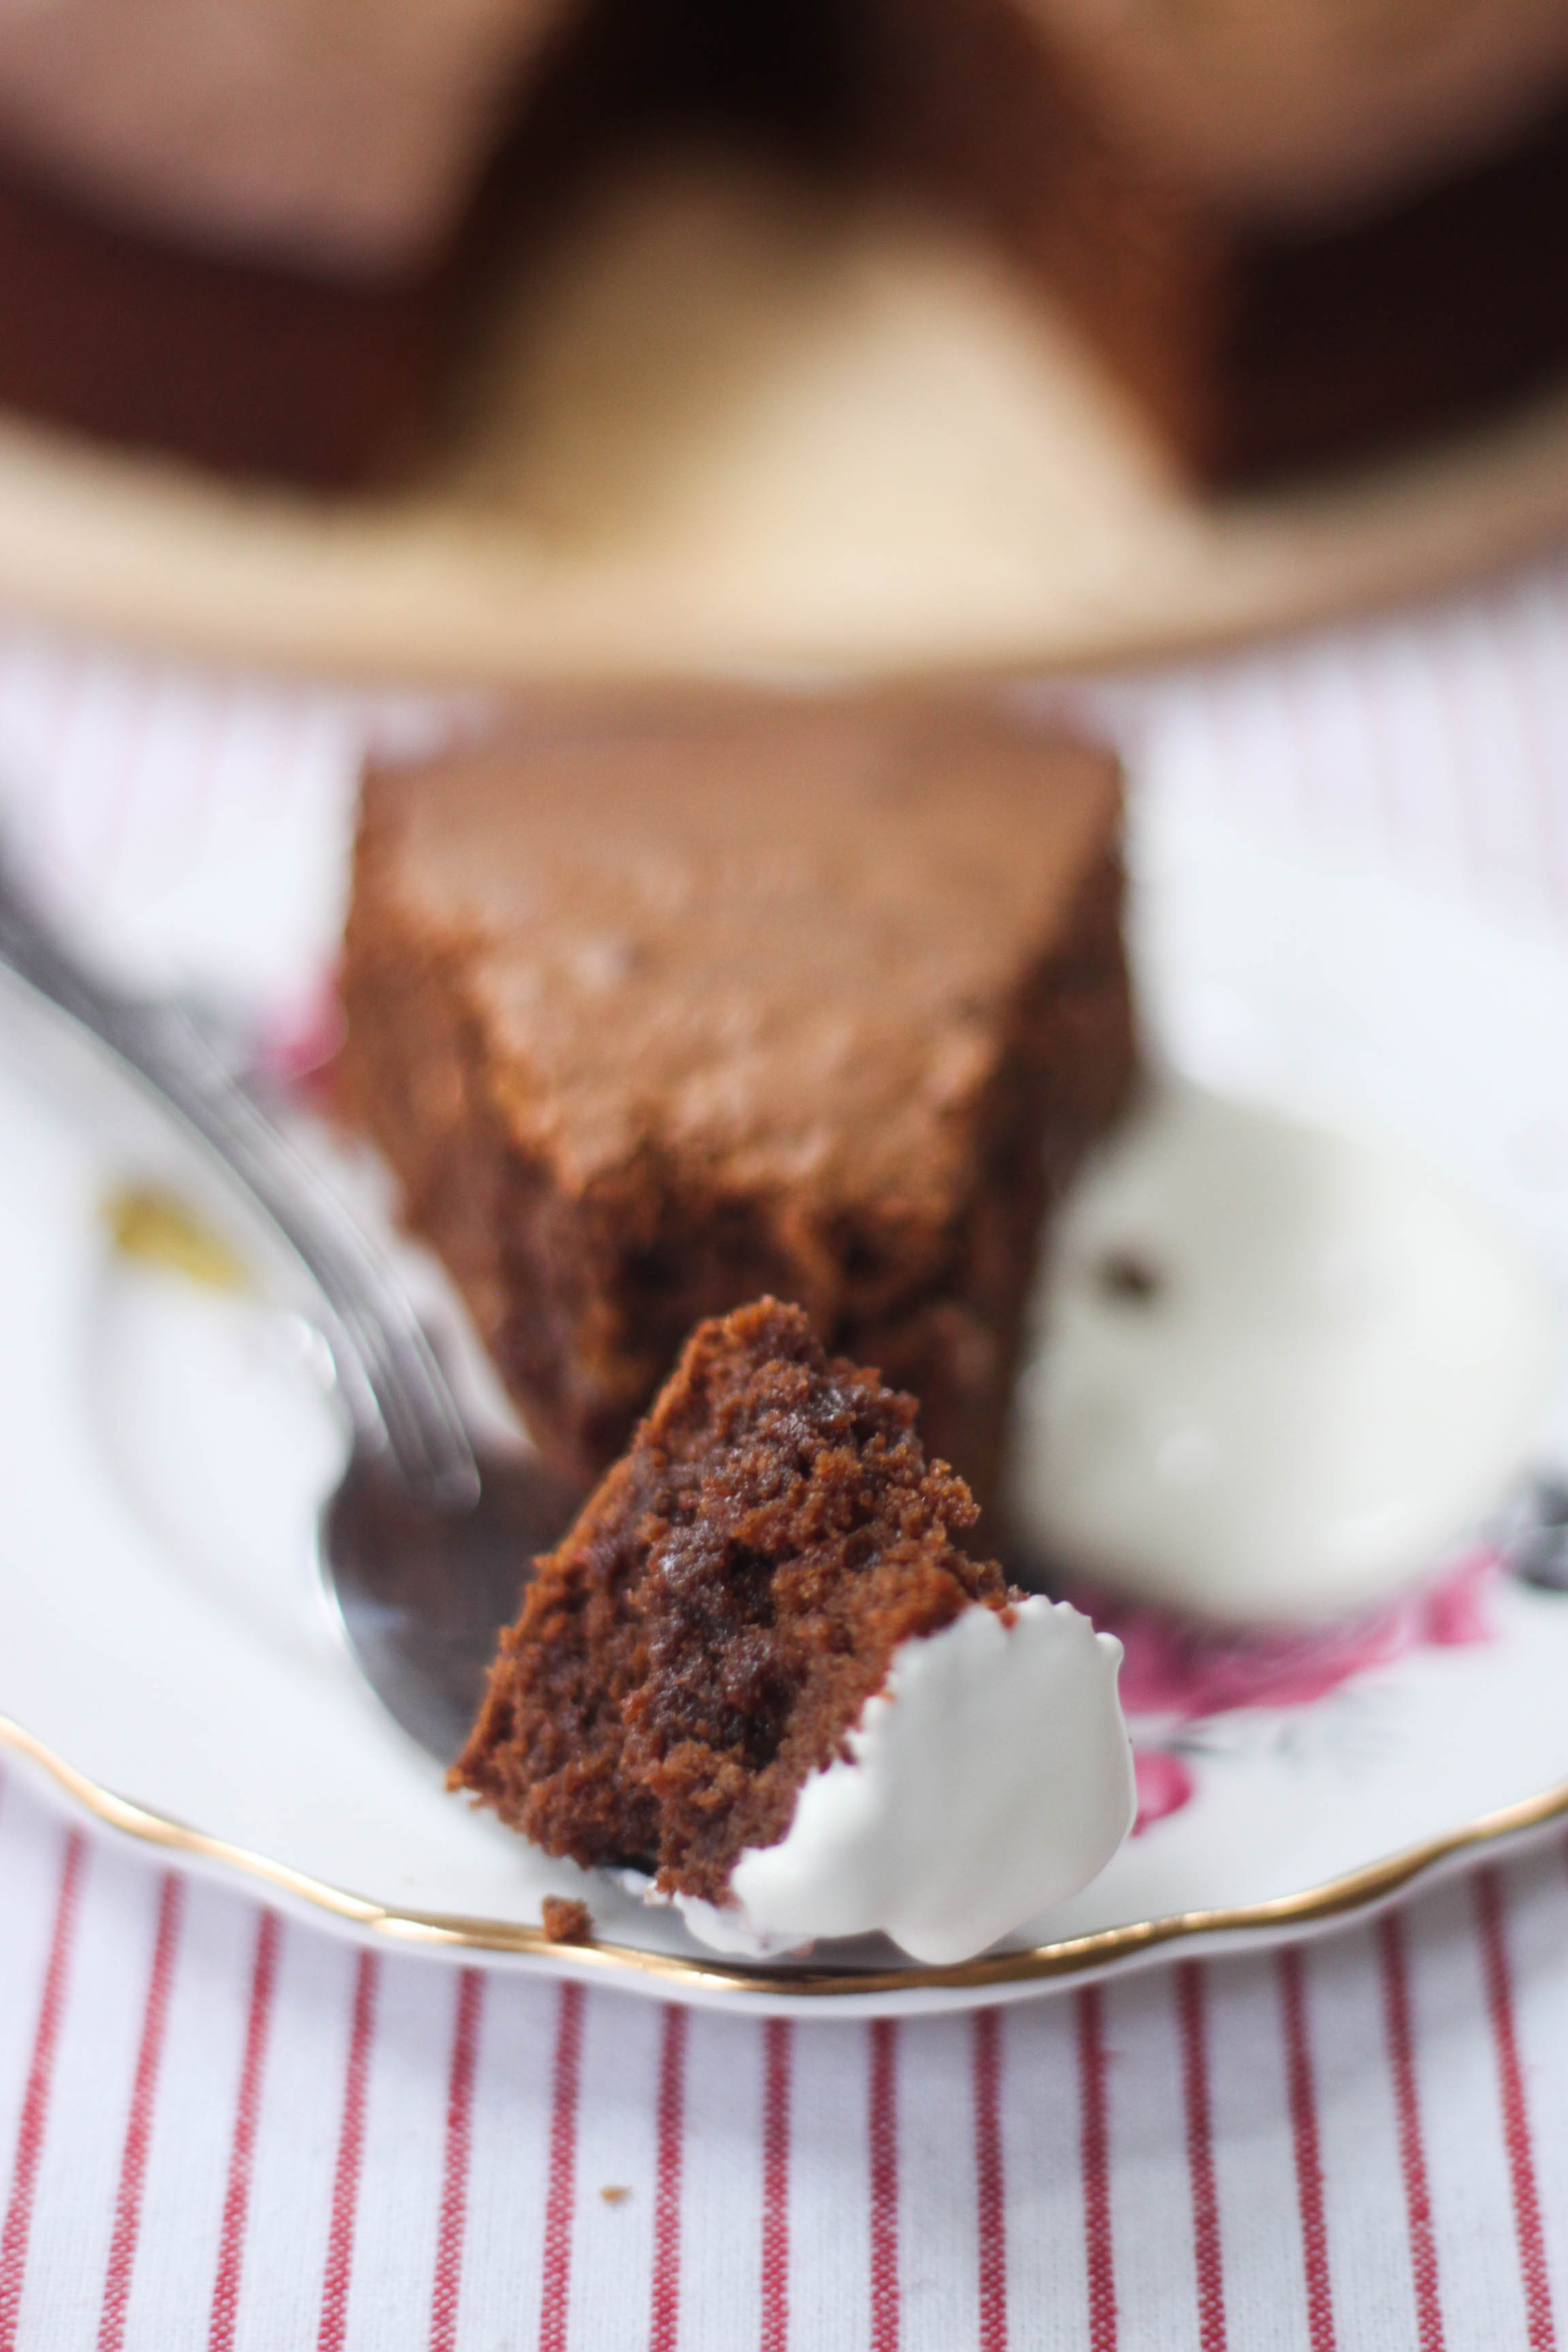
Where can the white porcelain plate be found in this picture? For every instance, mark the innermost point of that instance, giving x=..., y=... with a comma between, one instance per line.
x=167, y=1665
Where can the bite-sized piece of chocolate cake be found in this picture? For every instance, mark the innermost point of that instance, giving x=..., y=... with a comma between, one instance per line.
x=762, y=1669
x=656, y=1011
x=1300, y=230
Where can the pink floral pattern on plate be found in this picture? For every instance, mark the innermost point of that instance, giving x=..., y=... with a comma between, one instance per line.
x=1180, y=1671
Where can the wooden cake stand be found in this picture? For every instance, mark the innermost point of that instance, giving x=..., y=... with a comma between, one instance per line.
x=727, y=426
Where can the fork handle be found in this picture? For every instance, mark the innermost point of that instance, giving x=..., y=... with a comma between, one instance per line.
x=396, y=1395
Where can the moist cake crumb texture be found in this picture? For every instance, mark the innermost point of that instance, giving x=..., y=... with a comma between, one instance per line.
x=710, y=1631
x=661, y=1008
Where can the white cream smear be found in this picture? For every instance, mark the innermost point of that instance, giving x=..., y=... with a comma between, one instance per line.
x=1284, y=1370
x=989, y=1777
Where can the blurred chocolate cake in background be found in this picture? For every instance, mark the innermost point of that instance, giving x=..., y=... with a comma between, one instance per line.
x=228, y=231
x=246, y=233
x=1300, y=230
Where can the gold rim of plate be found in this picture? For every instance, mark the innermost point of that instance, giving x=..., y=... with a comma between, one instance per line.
x=1336, y=1899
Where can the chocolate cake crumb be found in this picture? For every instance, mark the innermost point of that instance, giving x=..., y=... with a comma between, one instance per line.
x=566, y=1920
x=734, y=1591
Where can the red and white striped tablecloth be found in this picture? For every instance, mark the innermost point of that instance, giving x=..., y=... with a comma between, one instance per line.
x=218, y=2130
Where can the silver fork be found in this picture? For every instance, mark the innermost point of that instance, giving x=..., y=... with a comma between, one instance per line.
x=425, y=1542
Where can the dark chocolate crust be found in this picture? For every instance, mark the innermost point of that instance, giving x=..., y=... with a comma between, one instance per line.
x=887, y=1017
x=710, y=1629
x=134, y=338
x=1258, y=352
x=1431, y=314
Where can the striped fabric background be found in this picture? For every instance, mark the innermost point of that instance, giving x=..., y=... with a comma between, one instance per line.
x=219, y=2131
x=222, y=2131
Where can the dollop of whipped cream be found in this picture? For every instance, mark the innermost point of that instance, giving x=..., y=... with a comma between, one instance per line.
x=990, y=1776
x=1284, y=1371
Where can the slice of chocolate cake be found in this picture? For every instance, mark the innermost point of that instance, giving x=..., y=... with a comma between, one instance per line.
x=761, y=1669
x=654, y=1013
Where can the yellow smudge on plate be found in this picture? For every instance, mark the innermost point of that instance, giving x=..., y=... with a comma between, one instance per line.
x=158, y=1229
